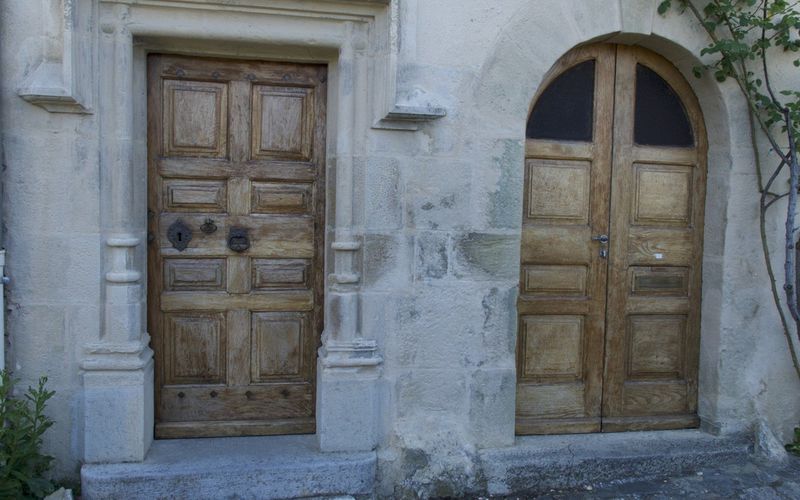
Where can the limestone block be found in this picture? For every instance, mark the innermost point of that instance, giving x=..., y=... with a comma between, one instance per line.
x=118, y=415
x=439, y=327
x=38, y=343
x=492, y=407
x=485, y=256
x=438, y=194
x=430, y=255
x=422, y=391
x=499, y=183
x=383, y=194
x=499, y=332
x=387, y=261
x=347, y=408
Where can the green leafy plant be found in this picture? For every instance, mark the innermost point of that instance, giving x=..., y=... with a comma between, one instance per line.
x=794, y=446
x=22, y=464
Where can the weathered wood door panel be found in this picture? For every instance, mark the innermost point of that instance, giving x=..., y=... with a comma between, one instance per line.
x=655, y=255
x=562, y=290
x=236, y=161
x=611, y=248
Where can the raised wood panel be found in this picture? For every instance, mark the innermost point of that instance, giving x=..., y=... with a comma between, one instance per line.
x=194, y=274
x=555, y=280
x=662, y=195
x=654, y=398
x=558, y=191
x=659, y=281
x=186, y=195
x=281, y=198
x=283, y=300
x=553, y=346
x=195, y=348
x=654, y=247
x=195, y=119
x=213, y=167
x=655, y=346
x=277, y=345
x=282, y=122
x=554, y=245
x=563, y=400
x=281, y=274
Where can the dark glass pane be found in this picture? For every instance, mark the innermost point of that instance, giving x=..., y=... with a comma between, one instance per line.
x=564, y=110
x=660, y=119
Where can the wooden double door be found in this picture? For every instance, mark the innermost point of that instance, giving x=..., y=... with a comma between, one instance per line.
x=236, y=231
x=609, y=305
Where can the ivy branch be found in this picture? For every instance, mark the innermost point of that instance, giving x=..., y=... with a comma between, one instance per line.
x=744, y=35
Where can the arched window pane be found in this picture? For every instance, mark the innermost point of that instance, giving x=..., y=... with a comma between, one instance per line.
x=564, y=111
x=660, y=119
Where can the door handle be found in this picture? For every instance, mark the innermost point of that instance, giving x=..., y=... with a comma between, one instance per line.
x=603, y=239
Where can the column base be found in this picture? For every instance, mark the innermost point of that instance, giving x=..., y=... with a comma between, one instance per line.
x=118, y=413
x=348, y=404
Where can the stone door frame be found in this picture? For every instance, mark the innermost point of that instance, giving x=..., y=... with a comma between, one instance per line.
x=355, y=40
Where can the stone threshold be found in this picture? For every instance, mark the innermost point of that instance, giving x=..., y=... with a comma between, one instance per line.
x=536, y=464
x=247, y=467
x=294, y=467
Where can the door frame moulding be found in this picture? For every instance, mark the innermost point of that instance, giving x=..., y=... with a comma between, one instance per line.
x=118, y=366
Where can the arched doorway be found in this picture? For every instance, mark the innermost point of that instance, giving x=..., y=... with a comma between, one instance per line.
x=610, y=271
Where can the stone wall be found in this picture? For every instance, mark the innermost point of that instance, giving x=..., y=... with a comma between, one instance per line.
x=437, y=211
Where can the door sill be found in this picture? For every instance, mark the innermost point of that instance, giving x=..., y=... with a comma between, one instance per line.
x=240, y=467
x=536, y=464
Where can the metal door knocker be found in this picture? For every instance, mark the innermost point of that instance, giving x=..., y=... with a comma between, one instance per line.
x=179, y=234
x=208, y=226
x=238, y=241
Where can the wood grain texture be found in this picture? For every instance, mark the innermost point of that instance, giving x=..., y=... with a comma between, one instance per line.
x=235, y=334
x=635, y=365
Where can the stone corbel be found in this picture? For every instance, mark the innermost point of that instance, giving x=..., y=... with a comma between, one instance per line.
x=61, y=82
x=400, y=109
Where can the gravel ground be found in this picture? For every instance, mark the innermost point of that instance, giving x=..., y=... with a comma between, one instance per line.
x=751, y=479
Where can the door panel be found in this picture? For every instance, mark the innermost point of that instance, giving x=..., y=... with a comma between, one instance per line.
x=611, y=343
x=235, y=146
x=657, y=200
x=562, y=280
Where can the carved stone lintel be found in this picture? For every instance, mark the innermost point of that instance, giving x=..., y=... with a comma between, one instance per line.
x=62, y=83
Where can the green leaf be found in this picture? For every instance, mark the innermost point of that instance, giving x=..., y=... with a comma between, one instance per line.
x=664, y=6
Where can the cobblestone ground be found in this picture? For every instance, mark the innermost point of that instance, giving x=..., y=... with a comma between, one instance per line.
x=753, y=479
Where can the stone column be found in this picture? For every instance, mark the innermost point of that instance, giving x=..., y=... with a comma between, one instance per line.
x=348, y=366
x=118, y=367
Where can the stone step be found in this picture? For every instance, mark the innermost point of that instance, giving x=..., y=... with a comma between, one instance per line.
x=244, y=468
x=536, y=464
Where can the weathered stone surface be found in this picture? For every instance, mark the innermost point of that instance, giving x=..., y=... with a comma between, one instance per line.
x=539, y=463
x=485, y=256
x=256, y=468
x=431, y=255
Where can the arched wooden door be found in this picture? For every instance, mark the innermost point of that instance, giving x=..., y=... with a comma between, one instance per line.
x=610, y=271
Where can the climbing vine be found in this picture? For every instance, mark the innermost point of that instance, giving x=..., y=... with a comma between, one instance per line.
x=746, y=36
